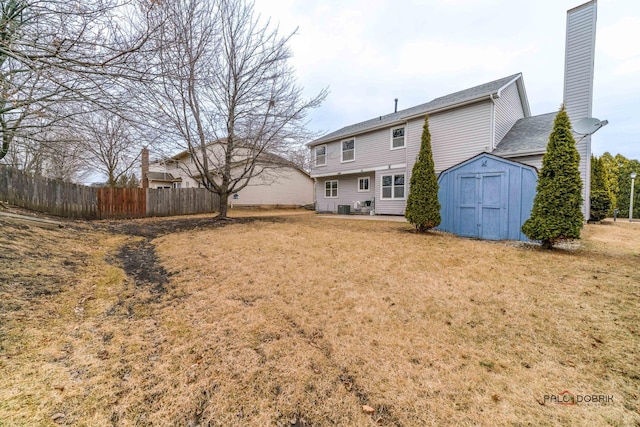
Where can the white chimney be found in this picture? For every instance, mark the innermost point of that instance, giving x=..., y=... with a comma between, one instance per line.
x=578, y=81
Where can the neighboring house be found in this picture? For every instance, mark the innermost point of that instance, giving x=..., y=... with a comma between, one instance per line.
x=281, y=184
x=370, y=163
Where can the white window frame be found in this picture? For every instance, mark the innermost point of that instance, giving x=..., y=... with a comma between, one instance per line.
x=325, y=189
x=315, y=156
x=393, y=186
x=342, y=160
x=404, y=137
x=360, y=179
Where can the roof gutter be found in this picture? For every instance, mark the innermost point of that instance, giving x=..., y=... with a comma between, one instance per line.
x=521, y=153
x=506, y=85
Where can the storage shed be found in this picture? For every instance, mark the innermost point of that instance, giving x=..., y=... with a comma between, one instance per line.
x=487, y=197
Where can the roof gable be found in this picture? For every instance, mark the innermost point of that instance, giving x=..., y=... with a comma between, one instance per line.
x=448, y=101
x=486, y=155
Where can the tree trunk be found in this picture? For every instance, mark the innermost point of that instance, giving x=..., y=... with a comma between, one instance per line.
x=224, y=197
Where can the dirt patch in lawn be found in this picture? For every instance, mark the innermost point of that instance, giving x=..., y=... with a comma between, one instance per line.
x=139, y=262
x=151, y=228
x=138, y=258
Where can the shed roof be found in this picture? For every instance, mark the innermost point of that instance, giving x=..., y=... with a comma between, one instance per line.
x=451, y=100
x=485, y=155
x=528, y=135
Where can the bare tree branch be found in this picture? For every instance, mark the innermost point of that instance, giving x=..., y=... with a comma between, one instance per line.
x=228, y=91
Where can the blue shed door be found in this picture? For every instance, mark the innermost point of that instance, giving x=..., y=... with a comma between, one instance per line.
x=481, y=206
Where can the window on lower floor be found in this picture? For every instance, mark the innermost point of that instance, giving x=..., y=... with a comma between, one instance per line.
x=363, y=184
x=393, y=186
x=331, y=189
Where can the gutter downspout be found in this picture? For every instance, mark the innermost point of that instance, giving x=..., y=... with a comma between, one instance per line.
x=315, y=198
x=408, y=172
x=493, y=144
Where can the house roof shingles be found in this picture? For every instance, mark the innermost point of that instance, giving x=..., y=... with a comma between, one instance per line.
x=527, y=136
x=160, y=176
x=452, y=99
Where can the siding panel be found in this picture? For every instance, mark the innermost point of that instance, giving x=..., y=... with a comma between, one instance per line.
x=371, y=150
x=535, y=161
x=456, y=135
x=347, y=192
x=578, y=81
x=288, y=187
x=508, y=109
x=391, y=207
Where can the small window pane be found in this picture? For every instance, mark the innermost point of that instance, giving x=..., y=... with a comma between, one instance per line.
x=386, y=181
x=397, y=136
x=321, y=155
x=386, y=192
x=348, y=150
x=331, y=188
x=399, y=180
x=398, y=192
x=363, y=184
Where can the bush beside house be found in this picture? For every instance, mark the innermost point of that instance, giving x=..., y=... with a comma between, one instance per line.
x=556, y=213
x=423, y=207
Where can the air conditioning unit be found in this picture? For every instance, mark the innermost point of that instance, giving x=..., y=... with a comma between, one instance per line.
x=344, y=209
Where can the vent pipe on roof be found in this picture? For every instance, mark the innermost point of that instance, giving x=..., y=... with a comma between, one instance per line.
x=395, y=110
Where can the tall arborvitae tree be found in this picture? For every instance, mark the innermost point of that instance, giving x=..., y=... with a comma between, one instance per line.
x=610, y=166
x=556, y=213
x=600, y=194
x=423, y=207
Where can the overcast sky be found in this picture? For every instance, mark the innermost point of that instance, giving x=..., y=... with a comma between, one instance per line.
x=368, y=52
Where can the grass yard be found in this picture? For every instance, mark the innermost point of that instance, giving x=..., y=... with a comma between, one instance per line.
x=298, y=320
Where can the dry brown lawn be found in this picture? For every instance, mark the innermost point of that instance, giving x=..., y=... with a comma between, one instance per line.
x=296, y=320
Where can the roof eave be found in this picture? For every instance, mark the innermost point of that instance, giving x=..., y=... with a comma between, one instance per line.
x=520, y=153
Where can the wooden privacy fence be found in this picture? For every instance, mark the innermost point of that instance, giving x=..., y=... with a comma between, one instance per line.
x=78, y=201
x=183, y=201
x=122, y=202
x=47, y=195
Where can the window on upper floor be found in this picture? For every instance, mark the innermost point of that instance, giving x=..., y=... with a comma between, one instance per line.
x=363, y=184
x=321, y=155
x=331, y=189
x=397, y=138
x=348, y=150
x=392, y=186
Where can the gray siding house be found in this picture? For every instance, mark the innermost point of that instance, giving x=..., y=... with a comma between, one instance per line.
x=368, y=165
x=371, y=162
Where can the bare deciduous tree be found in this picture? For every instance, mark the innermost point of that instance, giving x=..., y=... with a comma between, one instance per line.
x=226, y=91
x=57, y=53
x=110, y=145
